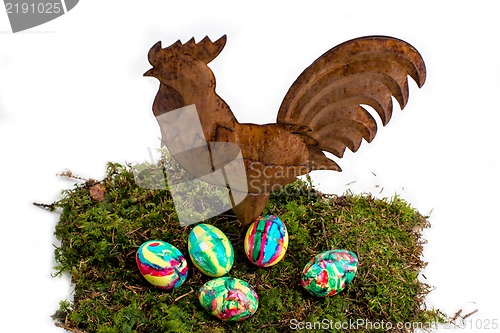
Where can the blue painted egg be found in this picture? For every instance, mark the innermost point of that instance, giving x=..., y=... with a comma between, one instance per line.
x=210, y=250
x=266, y=241
x=329, y=272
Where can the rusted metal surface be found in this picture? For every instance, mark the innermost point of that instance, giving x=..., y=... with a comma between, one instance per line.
x=321, y=112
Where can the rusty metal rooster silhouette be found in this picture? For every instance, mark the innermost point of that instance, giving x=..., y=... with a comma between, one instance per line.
x=321, y=112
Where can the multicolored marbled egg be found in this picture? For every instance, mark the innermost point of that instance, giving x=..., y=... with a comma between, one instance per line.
x=161, y=264
x=210, y=250
x=229, y=299
x=266, y=241
x=329, y=272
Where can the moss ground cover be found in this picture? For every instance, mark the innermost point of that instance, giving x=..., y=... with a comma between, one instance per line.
x=102, y=224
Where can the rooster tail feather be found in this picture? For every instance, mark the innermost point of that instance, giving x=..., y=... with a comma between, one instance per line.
x=319, y=161
x=326, y=98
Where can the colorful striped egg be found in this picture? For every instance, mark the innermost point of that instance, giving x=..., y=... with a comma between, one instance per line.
x=161, y=264
x=229, y=299
x=266, y=241
x=210, y=250
x=329, y=272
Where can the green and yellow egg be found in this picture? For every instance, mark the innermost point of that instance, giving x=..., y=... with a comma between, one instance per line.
x=210, y=250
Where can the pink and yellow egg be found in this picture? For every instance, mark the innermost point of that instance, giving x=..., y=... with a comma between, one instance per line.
x=161, y=264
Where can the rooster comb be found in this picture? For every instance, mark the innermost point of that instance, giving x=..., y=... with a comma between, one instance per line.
x=205, y=50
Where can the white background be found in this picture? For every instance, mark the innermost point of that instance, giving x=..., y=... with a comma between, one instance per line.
x=72, y=96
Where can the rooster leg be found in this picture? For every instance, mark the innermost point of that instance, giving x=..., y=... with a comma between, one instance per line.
x=251, y=207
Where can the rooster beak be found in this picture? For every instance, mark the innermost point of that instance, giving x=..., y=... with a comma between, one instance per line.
x=150, y=72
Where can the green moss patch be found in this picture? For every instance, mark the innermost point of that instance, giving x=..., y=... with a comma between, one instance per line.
x=103, y=223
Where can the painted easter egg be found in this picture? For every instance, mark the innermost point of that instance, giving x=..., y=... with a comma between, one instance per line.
x=210, y=250
x=329, y=272
x=229, y=299
x=161, y=264
x=266, y=241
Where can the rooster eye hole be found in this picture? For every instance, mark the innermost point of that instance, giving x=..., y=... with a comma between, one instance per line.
x=171, y=76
